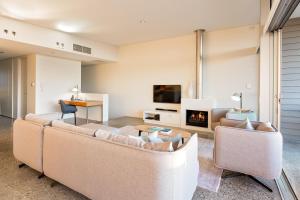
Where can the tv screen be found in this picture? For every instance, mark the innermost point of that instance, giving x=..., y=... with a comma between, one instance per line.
x=167, y=93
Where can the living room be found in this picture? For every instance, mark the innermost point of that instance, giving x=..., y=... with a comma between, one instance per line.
x=131, y=81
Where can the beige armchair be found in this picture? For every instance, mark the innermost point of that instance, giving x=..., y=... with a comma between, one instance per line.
x=216, y=115
x=251, y=152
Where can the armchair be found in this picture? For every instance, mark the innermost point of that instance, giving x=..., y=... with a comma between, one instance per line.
x=251, y=152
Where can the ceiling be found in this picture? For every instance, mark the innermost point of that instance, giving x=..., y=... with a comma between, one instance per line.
x=10, y=48
x=296, y=13
x=121, y=22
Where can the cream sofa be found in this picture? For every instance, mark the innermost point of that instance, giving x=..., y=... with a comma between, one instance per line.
x=101, y=169
x=28, y=143
x=28, y=136
x=251, y=152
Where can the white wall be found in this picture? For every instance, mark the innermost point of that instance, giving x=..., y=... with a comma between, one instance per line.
x=50, y=79
x=55, y=78
x=230, y=63
x=31, y=78
x=129, y=81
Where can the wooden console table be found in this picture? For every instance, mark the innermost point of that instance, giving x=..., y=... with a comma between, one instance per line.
x=86, y=104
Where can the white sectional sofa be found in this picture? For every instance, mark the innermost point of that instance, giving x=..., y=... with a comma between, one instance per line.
x=102, y=169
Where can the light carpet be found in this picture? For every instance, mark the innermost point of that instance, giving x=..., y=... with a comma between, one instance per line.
x=209, y=176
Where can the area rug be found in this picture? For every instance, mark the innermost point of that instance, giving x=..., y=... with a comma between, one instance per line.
x=209, y=176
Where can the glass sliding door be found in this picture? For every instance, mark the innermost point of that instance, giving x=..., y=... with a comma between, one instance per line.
x=289, y=111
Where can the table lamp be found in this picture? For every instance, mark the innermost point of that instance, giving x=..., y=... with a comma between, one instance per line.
x=76, y=89
x=238, y=97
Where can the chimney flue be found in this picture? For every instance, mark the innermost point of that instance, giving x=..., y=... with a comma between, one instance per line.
x=199, y=62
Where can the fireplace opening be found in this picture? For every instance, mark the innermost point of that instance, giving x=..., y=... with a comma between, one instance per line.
x=197, y=118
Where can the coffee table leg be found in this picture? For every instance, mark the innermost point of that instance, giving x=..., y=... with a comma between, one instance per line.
x=140, y=132
x=182, y=140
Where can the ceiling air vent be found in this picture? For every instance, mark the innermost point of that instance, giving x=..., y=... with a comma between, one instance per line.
x=82, y=49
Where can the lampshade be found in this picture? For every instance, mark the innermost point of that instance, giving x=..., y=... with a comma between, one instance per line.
x=236, y=97
x=75, y=89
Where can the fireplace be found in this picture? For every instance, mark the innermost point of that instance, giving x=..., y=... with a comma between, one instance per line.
x=197, y=118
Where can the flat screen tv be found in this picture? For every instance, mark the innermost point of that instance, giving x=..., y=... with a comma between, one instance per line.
x=167, y=94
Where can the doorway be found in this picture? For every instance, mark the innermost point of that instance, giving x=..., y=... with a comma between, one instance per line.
x=13, y=87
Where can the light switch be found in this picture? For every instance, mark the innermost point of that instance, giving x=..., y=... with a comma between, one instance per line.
x=248, y=86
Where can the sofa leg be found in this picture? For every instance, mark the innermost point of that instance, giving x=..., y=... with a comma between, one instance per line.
x=232, y=175
x=236, y=174
x=53, y=184
x=21, y=165
x=260, y=183
x=41, y=175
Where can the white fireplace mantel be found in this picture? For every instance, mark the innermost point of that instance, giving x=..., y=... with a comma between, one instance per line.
x=200, y=105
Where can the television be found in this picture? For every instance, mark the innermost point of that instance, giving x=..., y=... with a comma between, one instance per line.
x=167, y=94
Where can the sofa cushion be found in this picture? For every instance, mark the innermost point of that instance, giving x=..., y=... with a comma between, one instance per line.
x=103, y=134
x=128, y=140
x=234, y=123
x=265, y=126
x=72, y=128
x=95, y=127
x=164, y=146
x=214, y=125
x=175, y=140
x=37, y=119
x=246, y=124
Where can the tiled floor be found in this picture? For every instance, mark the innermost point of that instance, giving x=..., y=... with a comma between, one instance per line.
x=23, y=183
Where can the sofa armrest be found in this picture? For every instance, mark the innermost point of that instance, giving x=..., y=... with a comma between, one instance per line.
x=28, y=143
x=218, y=113
x=251, y=152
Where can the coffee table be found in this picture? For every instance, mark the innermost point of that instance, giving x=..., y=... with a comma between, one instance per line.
x=175, y=131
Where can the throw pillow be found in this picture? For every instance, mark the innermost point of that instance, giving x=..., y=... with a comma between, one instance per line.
x=175, y=140
x=103, y=134
x=165, y=146
x=152, y=137
x=246, y=124
x=72, y=128
x=135, y=141
x=265, y=126
x=36, y=119
x=128, y=140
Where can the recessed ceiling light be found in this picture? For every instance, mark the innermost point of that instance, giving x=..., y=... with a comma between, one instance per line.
x=67, y=28
x=143, y=21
